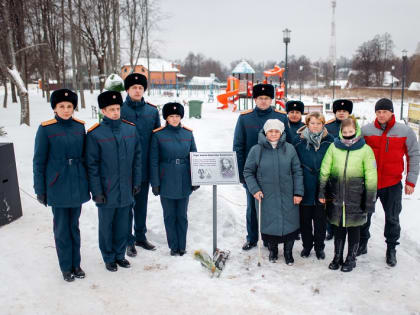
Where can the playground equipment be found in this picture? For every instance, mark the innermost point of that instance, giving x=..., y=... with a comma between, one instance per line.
x=231, y=95
x=277, y=71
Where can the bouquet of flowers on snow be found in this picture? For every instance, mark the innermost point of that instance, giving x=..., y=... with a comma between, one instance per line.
x=114, y=83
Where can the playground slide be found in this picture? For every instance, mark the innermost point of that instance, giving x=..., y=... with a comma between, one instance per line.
x=224, y=98
x=273, y=72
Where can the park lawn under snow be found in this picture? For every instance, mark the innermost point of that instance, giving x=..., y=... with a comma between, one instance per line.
x=31, y=282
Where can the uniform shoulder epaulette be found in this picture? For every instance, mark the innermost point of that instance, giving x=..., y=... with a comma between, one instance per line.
x=330, y=121
x=79, y=121
x=93, y=127
x=128, y=122
x=152, y=104
x=187, y=128
x=49, y=122
x=247, y=111
x=280, y=111
x=158, y=129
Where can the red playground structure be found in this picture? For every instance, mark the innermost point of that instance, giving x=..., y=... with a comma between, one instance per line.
x=237, y=88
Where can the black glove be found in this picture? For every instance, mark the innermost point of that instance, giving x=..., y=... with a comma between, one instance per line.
x=242, y=180
x=156, y=190
x=42, y=199
x=194, y=188
x=136, y=190
x=100, y=199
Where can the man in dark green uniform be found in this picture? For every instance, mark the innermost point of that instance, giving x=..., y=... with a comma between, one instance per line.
x=146, y=118
x=113, y=156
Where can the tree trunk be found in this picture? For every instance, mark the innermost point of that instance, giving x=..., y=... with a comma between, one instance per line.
x=117, y=54
x=73, y=48
x=5, y=93
x=79, y=61
x=13, y=89
x=147, y=43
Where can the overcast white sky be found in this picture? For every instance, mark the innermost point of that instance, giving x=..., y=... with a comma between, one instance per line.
x=227, y=30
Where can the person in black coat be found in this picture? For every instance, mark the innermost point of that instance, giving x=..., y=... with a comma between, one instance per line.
x=311, y=144
x=249, y=124
x=171, y=174
x=113, y=155
x=60, y=179
x=294, y=110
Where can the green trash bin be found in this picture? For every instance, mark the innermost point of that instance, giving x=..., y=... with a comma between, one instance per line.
x=195, y=108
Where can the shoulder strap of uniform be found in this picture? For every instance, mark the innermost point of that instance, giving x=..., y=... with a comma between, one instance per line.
x=93, y=127
x=185, y=127
x=79, y=121
x=280, y=111
x=330, y=121
x=49, y=122
x=128, y=122
x=158, y=129
x=151, y=104
x=247, y=112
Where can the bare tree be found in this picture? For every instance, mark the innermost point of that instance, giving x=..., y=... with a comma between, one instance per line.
x=12, y=71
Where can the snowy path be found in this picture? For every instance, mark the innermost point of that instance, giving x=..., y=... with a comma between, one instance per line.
x=30, y=281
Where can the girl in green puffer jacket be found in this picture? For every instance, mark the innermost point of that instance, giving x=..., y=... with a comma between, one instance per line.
x=348, y=182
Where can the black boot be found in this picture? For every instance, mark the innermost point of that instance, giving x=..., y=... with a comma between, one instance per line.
x=123, y=263
x=248, y=245
x=350, y=262
x=391, y=256
x=305, y=252
x=320, y=254
x=68, y=276
x=79, y=273
x=362, y=247
x=288, y=252
x=338, y=254
x=274, y=252
x=131, y=251
x=146, y=245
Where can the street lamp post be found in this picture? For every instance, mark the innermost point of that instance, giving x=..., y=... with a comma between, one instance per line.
x=333, y=87
x=392, y=79
x=286, y=40
x=300, y=85
x=404, y=65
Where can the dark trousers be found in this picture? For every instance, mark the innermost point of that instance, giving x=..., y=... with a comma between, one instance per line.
x=251, y=218
x=139, y=213
x=352, y=232
x=113, y=232
x=312, y=226
x=176, y=222
x=390, y=198
x=67, y=237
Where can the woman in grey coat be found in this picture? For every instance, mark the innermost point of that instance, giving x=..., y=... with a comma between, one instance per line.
x=273, y=175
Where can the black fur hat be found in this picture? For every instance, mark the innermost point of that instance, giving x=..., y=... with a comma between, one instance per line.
x=384, y=104
x=63, y=95
x=295, y=105
x=172, y=109
x=135, y=78
x=109, y=98
x=343, y=104
x=263, y=89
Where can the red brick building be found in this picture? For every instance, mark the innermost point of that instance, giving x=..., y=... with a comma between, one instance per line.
x=161, y=71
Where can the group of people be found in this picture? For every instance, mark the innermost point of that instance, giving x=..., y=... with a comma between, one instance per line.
x=115, y=162
x=296, y=174
x=322, y=175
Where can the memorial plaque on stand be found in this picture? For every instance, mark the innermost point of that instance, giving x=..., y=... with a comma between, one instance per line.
x=10, y=205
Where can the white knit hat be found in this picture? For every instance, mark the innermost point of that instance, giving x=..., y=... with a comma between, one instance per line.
x=273, y=124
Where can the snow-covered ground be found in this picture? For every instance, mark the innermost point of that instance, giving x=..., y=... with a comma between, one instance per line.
x=31, y=282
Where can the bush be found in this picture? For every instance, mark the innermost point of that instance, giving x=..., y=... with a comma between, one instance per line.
x=2, y=132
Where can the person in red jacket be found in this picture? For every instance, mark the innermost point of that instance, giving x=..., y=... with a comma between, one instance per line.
x=390, y=141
